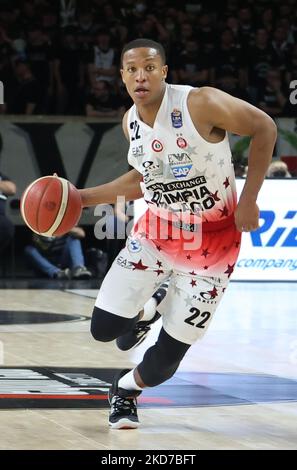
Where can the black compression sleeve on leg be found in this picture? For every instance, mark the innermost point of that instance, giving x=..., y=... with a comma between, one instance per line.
x=161, y=360
x=106, y=326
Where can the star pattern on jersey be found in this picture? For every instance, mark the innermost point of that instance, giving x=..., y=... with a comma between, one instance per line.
x=158, y=247
x=208, y=157
x=226, y=182
x=215, y=196
x=191, y=150
x=205, y=253
x=193, y=273
x=139, y=266
x=189, y=257
x=193, y=282
x=159, y=264
x=205, y=267
x=142, y=235
x=224, y=212
x=221, y=162
x=229, y=269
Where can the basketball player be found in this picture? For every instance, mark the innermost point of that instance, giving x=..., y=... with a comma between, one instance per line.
x=192, y=229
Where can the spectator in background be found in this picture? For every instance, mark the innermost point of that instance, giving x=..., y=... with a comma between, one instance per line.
x=278, y=169
x=228, y=83
x=271, y=98
x=7, y=188
x=102, y=60
x=228, y=57
x=27, y=97
x=69, y=73
x=193, y=66
x=40, y=56
x=67, y=13
x=101, y=103
x=59, y=257
x=6, y=70
x=260, y=58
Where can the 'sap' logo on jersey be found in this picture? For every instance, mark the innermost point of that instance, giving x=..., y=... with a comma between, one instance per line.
x=181, y=171
x=176, y=118
x=180, y=164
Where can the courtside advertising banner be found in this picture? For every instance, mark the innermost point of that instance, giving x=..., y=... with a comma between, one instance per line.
x=269, y=253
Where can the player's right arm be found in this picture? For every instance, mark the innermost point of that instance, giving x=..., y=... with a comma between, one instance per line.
x=127, y=185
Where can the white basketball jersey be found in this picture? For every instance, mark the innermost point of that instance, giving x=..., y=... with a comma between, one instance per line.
x=182, y=172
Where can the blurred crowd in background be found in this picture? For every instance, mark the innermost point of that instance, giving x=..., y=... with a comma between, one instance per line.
x=63, y=56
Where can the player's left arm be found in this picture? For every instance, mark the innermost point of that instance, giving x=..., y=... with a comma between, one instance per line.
x=239, y=117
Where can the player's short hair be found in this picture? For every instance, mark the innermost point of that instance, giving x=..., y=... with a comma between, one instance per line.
x=136, y=43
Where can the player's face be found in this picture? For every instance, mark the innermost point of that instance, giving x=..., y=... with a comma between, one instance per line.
x=143, y=74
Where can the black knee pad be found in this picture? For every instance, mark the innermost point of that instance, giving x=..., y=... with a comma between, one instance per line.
x=106, y=326
x=161, y=360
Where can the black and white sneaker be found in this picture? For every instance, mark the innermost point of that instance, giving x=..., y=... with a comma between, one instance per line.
x=123, y=405
x=138, y=334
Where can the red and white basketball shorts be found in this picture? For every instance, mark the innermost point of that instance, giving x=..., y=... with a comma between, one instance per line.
x=198, y=276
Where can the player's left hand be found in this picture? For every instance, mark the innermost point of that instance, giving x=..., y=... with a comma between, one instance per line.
x=247, y=216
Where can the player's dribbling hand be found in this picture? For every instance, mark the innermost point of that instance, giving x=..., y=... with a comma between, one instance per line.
x=247, y=216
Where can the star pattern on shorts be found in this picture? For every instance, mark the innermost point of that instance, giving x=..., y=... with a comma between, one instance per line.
x=188, y=301
x=159, y=271
x=226, y=182
x=176, y=289
x=213, y=293
x=139, y=266
x=229, y=269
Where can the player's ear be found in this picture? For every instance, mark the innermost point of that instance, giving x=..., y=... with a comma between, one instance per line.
x=164, y=71
x=122, y=75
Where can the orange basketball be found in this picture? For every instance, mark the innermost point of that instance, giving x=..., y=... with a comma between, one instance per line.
x=51, y=206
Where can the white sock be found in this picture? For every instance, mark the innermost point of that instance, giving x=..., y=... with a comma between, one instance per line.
x=149, y=309
x=128, y=382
